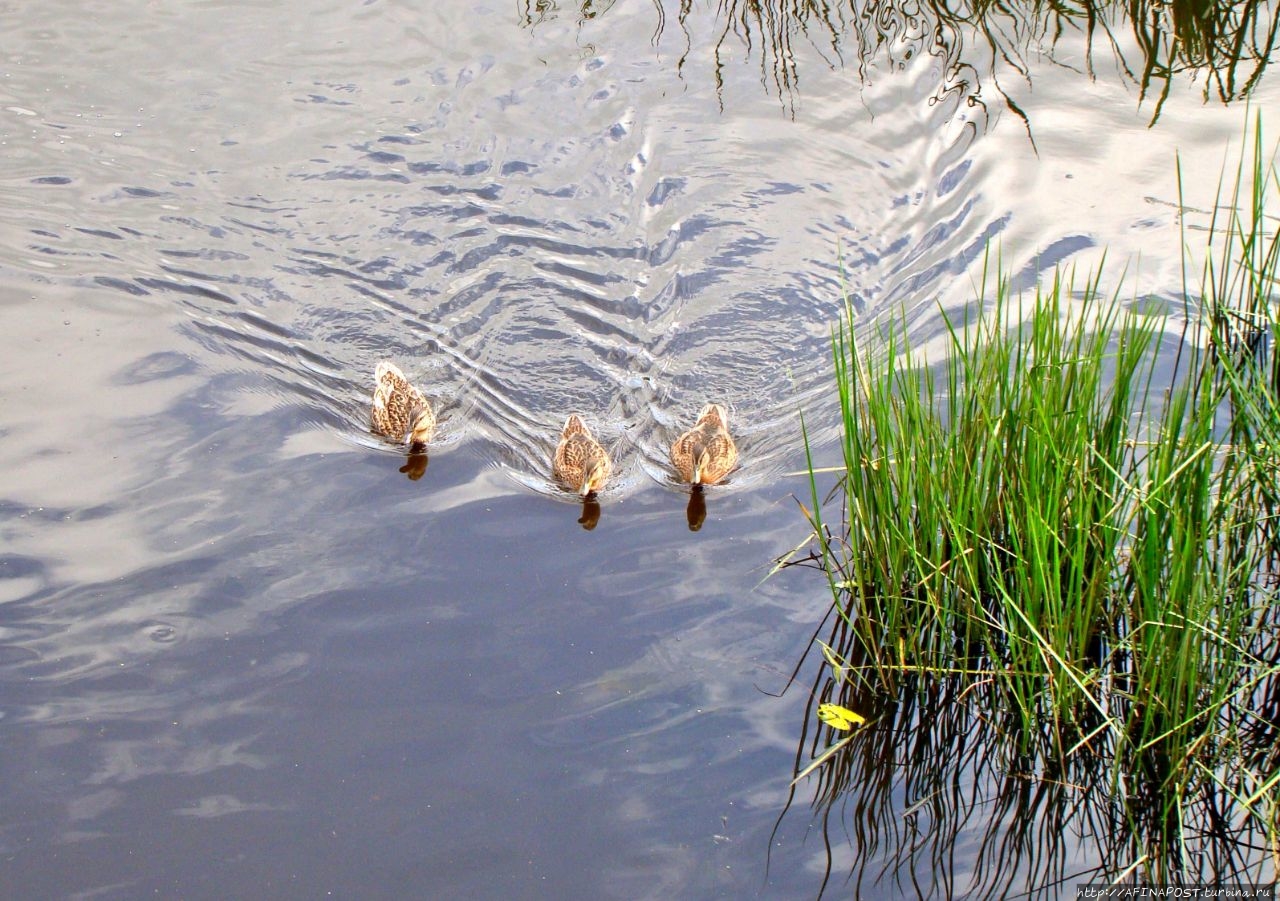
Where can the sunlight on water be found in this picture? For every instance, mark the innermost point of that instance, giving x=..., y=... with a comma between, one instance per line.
x=224, y=609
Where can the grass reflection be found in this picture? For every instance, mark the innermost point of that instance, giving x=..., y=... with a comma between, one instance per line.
x=1055, y=583
x=1228, y=44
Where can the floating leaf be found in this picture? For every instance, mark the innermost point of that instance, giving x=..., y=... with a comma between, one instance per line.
x=838, y=717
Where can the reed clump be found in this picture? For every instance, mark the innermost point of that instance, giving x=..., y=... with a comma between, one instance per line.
x=1071, y=521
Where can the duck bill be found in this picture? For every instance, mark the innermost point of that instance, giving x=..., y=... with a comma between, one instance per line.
x=422, y=429
x=589, y=480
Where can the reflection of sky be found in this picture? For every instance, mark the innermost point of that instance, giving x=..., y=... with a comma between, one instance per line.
x=447, y=654
x=229, y=628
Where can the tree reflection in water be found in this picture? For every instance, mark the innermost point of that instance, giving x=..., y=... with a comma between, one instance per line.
x=1152, y=41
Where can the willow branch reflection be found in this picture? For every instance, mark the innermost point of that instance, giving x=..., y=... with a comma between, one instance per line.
x=1152, y=41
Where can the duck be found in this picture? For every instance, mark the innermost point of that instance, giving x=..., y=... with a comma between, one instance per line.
x=400, y=412
x=706, y=453
x=580, y=463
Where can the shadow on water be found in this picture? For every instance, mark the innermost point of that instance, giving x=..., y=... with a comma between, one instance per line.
x=1228, y=44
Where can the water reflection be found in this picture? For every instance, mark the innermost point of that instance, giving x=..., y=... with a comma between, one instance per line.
x=1226, y=43
x=696, y=512
x=415, y=465
x=1036, y=811
x=590, y=514
x=222, y=614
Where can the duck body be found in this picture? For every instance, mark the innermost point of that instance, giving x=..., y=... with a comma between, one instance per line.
x=580, y=463
x=706, y=453
x=400, y=412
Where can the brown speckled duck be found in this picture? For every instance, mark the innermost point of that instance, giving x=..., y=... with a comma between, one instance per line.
x=400, y=412
x=580, y=462
x=706, y=453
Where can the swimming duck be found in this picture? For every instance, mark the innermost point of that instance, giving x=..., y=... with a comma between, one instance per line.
x=706, y=453
x=580, y=462
x=400, y=411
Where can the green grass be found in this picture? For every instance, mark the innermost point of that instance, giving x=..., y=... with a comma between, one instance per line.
x=1069, y=526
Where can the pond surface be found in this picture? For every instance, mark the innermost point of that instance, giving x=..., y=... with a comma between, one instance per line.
x=241, y=654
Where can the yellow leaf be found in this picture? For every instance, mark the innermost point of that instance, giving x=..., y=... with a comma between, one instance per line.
x=838, y=717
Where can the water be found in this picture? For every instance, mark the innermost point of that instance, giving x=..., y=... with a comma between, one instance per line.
x=241, y=655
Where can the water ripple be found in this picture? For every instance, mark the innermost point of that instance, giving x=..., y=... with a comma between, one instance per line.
x=520, y=278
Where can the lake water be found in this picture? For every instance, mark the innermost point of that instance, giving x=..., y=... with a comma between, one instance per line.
x=241, y=654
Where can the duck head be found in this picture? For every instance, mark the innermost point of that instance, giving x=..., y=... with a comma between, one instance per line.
x=593, y=477
x=424, y=424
